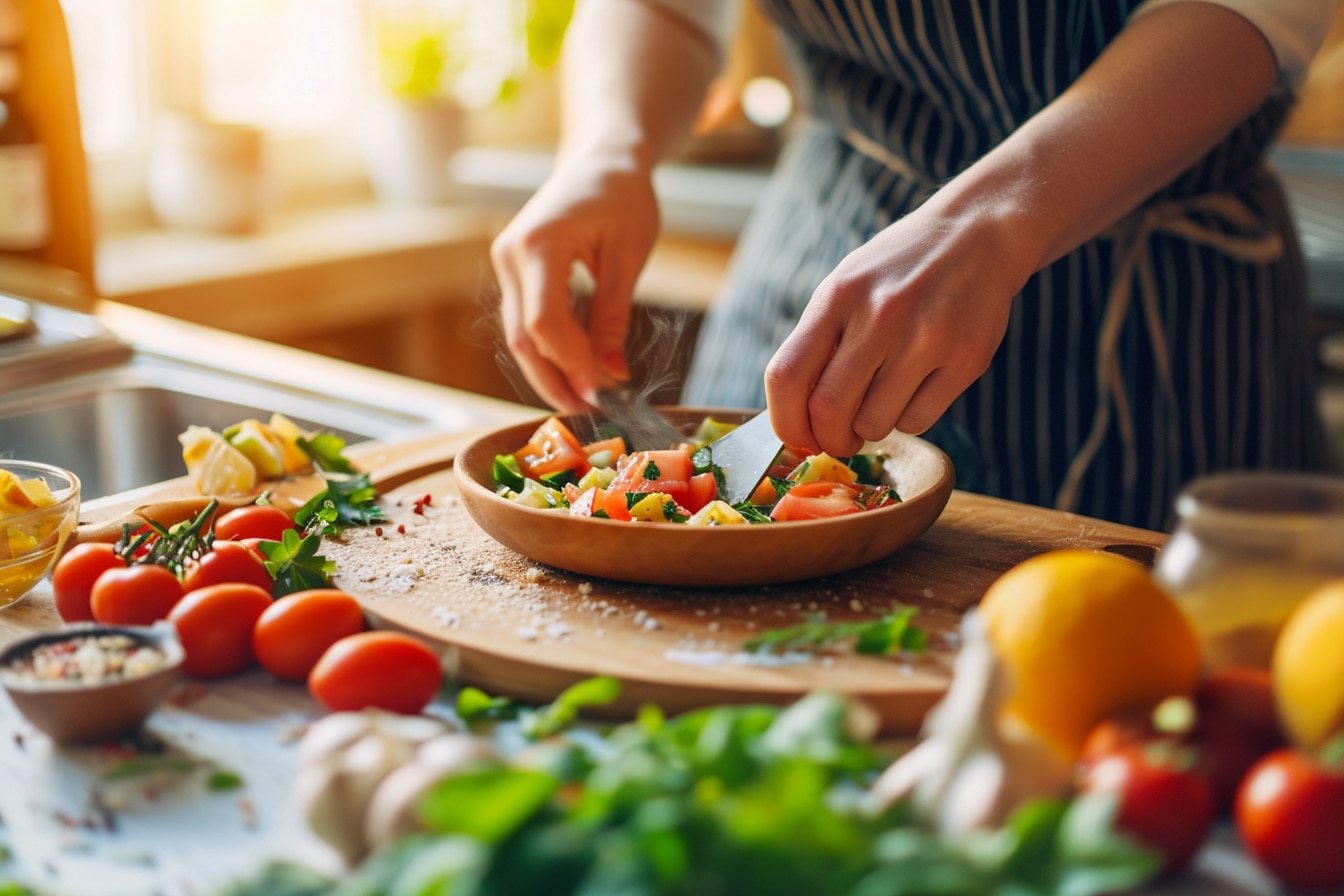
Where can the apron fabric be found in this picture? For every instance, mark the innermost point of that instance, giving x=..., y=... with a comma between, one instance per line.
x=1174, y=345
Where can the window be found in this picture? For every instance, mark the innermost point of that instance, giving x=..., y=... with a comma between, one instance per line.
x=301, y=70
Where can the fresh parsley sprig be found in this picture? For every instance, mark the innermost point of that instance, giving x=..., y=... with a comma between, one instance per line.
x=296, y=565
x=889, y=633
x=349, y=498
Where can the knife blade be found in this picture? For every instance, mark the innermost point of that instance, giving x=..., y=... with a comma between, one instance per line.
x=745, y=455
x=645, y=429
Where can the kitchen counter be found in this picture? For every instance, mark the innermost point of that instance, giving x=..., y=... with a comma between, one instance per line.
x=179, y=839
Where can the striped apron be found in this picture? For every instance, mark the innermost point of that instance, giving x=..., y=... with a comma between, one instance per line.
x=1174, y=345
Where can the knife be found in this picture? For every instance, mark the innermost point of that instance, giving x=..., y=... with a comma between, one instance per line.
x=745, y=455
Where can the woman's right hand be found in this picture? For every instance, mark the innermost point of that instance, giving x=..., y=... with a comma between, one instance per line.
x=595, y=211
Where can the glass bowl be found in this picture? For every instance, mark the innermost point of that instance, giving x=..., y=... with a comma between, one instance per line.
x=99, y=706
x=32, y=537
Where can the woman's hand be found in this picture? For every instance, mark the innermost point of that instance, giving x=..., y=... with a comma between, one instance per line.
x=898, y=330
x=906, y=322
x=597, y=212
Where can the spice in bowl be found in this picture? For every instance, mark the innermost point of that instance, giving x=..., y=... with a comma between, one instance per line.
x=91, y=682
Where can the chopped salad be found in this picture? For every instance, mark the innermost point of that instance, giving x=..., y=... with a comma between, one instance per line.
x=681, y=483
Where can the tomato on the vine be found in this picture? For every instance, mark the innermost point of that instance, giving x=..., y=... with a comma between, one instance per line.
x=73, y=577
x=1290, y=814
x=215, y=626
x=139, y=594
x=253, y=521
x=1164, y=804
x=380, y=669
x=294, y=631
x=226, y=562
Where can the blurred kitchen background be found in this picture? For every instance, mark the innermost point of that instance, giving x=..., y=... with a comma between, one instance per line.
x=328, y=174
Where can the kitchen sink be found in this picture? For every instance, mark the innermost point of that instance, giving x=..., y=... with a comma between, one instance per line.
x=107, y=396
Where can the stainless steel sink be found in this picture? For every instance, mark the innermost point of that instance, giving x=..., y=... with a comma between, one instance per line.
x=117, y=428
x=106, y=396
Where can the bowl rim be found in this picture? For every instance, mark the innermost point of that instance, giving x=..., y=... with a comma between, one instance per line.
x=162, y=635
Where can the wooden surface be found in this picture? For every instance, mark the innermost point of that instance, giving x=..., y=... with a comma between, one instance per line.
x=517, y=628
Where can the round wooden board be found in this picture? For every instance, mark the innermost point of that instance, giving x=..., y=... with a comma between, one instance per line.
x=517, y=628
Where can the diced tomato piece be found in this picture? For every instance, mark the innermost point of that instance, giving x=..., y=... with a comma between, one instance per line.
x=764, y=494
x=667, y=471
x=615, y=444
x=703, y=489
x=552, y=449
x=614, y=503
x=592, y=500
x=816, y=500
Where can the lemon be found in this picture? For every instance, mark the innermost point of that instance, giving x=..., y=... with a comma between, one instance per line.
x=259, y=445
x=1308, y=667
x=14, y=498
x=215, y=466
x=1086, y=635
x=289, y=433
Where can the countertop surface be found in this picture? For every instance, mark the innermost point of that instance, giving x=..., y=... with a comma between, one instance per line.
x=70, y=830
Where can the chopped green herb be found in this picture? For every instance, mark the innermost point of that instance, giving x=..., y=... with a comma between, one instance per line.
x=890, y=633
x=651, y=471
x=221, y=781
x=750, y=512
x=295, y=564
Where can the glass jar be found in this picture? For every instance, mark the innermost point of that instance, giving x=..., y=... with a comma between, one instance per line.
x=1246, y=549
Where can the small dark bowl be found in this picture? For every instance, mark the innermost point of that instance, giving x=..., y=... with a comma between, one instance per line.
x=80, y=713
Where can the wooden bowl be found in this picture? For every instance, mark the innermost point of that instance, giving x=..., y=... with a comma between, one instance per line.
x=695, y=556
x=80, y=713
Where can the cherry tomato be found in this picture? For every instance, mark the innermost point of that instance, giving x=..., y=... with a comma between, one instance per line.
x=816, y=500
x=225, y=562
x=253, y=521
x=72, y=579
x=294, y=631
x=381, y=669
x=215, y=625
x=1290, y=814
x=1163, y=805
x=1235, y=724
x=140, y=594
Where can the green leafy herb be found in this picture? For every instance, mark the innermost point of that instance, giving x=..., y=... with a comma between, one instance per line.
x=143, y=766
x=564, y=710
x=221, y=781
x=868, y=467
x=702, y=461
x=325, y=451
x=560, y=479
x=750, y=512
x=781, y=486
x=890, y=633
x=474, y=704
x=348, y=500
x=651, y=471
x=295, y=564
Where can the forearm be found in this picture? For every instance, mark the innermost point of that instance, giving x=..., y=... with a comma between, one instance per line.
x=1165, y=92
x=634, y=77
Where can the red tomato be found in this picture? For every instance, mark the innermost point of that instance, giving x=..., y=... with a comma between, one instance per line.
x=1235, y=724
x=702, y=489
x=551, y=449
x=140, y=594
x=615, y=444
x=616, y=506
x=589, y=502
x=228, y=562
x=73, y=577
x=253, y=521
x=816, y=500
x=1167, y=808
x=1290, y=814
x=381, y=669
x=215, y=625
x=294, y=631
x=667, y=471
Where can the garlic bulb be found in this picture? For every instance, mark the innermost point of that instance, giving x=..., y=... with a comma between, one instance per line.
x=343, y=759
x=392, y=809
x=970, y=769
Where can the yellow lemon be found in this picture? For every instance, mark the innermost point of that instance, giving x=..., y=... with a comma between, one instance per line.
x=215, y=466
x=1086, y=635
x=1308, y=667
x=14, y=498
x=259, y=445
x=289, y=433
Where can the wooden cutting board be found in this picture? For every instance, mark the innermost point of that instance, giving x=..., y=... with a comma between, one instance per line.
x=516, y=628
